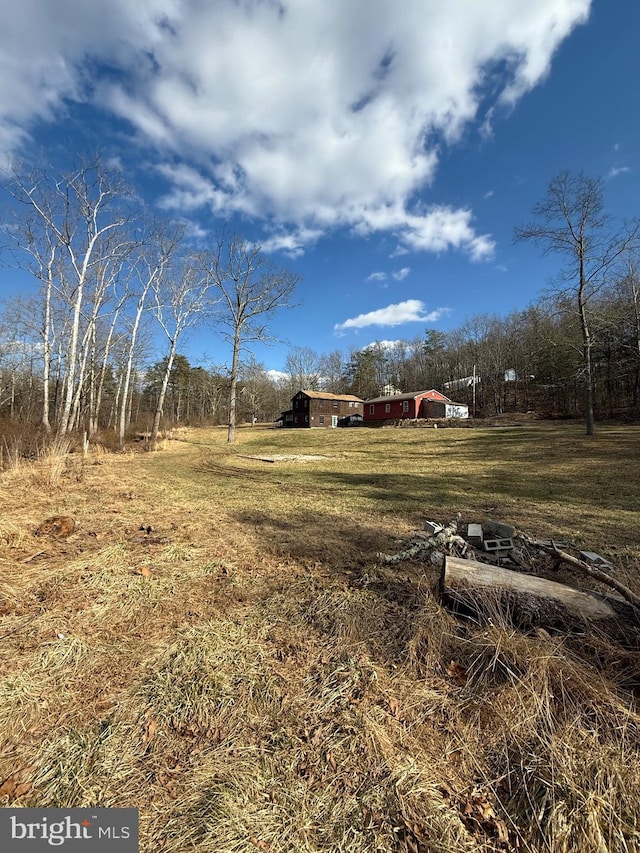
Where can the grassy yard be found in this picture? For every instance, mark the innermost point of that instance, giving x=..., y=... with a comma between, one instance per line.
x=218, y=645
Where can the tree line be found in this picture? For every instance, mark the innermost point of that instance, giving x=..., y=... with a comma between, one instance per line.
x=107, y=273
x=74, y=357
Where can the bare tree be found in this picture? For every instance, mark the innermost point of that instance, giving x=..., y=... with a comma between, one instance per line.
x=331, y=367
x=72, y=226
x=571, y=221
x=182, y=298
x=148, y=273
x=258, y=392
x=303, y=366
x=252, y=289
x=629, y=286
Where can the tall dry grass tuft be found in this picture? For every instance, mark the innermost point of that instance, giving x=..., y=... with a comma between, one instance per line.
x=11, y=452
x=551, y=742
x=40, y=462
x=53, y=463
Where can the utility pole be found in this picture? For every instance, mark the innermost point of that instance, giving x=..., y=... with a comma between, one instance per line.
x=474, y=391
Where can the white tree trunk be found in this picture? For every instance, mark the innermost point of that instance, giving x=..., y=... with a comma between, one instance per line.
x=163, y=391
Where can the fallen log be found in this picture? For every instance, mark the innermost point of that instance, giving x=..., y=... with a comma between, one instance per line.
x=592, y=571
x=525, y=600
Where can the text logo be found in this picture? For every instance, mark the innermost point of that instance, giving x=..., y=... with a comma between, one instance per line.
x=34, y=830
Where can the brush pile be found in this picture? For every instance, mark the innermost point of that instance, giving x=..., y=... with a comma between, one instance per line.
x=480, y=565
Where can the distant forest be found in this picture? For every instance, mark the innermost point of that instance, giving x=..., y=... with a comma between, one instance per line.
x=75, y=357
x=528, y=360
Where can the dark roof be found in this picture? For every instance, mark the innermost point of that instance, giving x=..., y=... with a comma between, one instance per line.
x=323, y=395
x=411, y=396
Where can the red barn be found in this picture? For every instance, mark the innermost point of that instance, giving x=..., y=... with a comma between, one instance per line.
x=401, y=406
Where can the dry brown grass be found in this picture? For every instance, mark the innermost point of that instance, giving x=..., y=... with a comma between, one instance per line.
x=247, y=675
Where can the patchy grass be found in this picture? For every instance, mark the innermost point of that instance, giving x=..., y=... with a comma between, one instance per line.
x=217, y=645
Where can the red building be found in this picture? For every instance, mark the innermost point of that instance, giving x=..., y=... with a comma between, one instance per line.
x=401, y=406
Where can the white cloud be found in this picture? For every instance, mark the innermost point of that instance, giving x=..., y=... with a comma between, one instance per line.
x=444, y=228
x=384, y=344
x=278, y=375
x=193, y=230
x=48, y=50
x=410, y=311
x=310, y=114
x=292, y=243
x=617, y=170
x=377, y=276
x=400, y=275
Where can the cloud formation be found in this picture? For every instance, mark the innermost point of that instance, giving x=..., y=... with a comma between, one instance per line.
x=614, y=171
x=400, y=275
x=305, y=114
x=409, y=311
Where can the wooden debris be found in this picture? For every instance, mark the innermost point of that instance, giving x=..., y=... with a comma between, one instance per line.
x=592, y=571
x=445, y=539
x=518, y=559
x=483, y=579
x=532, y=600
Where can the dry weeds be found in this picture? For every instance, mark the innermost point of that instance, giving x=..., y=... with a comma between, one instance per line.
x=217, y=645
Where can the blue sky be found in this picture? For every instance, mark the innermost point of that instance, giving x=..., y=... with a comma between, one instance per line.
x=383, y=155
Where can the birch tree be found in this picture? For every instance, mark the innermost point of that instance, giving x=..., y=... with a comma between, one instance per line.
x=68, y=229
x=39, y=253
x=181, y=299
x=148, y=272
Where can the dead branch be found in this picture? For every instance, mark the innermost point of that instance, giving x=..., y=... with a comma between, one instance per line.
x=593, y=572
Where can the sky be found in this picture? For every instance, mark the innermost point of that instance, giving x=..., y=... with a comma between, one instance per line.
x=382, y=151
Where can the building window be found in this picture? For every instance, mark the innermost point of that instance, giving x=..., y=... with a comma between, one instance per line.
x=372, y=409
x=321, y=420
x=405, y=405
x=306, y=419
x=387, y=407
x=335, y=405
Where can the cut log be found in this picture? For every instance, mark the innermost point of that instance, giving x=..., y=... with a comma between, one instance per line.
x=525, y=600
x=592, y=571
